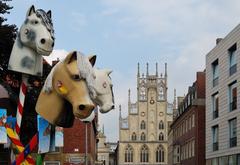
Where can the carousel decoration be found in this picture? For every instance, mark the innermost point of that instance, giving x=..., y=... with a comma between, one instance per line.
x=73, y=87
x=35, y=38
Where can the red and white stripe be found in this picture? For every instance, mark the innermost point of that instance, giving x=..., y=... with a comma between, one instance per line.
x=22, y=94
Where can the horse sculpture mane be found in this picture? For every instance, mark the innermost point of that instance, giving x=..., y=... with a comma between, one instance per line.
x=35, y=38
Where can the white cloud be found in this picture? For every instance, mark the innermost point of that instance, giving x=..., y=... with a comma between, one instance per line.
x=190, y=26
x=56, y=54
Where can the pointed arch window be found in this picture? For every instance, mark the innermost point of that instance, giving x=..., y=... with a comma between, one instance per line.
x=143, y=136
x=134, y=136
x=160, y=154
x=129, y=154
x=161, y=125
x=144, y=154
x=161, y=93
x=143, y=125
x=161, y=136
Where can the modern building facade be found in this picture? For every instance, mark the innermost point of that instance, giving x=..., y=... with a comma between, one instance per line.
x=143, y=134
x=222, y=101
x=170, y=147
x=189, y=127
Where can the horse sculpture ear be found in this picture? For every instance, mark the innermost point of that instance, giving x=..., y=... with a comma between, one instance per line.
x=92, y=59
x=31, y=10
x=71, y=57
x=108, y=71
x=49, y=13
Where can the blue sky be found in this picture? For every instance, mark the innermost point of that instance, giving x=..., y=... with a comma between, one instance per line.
x=124, y=32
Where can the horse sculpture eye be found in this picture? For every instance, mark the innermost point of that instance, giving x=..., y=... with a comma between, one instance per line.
x=36, y=22
x=26, y=31
x=76, y=77
x=104, y=85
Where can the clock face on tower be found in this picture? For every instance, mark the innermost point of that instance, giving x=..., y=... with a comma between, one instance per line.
x=152, y=101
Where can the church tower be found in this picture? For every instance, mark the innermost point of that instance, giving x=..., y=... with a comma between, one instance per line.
x=143, y=133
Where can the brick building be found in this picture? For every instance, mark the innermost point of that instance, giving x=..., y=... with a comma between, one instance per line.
x=74, y=150
x=188, y=125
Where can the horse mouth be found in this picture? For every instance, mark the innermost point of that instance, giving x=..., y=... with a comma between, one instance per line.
x=41, y=50
x=66, y=119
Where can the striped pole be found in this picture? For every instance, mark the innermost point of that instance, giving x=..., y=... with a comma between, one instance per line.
x=27, y=150
x=15, y=140
x=22, y=94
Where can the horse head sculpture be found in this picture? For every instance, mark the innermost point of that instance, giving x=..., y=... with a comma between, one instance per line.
x=104, y=92
x=71, y=86
x=35, y=38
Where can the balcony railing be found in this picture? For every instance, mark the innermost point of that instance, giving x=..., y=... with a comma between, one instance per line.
x=215, y=146
x=215, y=81
x=233, y=69
x=233, y=141
x=215, y=114
x=233, y=104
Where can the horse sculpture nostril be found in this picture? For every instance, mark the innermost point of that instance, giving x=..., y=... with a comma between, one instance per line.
x=113, y=107
x=53, y=44
x=43, y=41
x=81, y=107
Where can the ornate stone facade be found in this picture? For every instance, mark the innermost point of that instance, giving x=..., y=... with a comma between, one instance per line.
x=143, y=134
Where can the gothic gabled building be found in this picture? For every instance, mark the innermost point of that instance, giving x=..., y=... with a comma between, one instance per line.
x=143, y=134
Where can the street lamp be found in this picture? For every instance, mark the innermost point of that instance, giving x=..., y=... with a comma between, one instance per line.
x=86, y=121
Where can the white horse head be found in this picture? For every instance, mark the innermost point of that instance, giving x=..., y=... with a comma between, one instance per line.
x=37, y=31
x=104, y=97
x=35, y=38
x=103, y=88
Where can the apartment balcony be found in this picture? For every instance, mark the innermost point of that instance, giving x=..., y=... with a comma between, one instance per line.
x=215, y=146
x=233, y=104
x=233, y=69
x=215, y=81
x=215, y=114
x=233, y=141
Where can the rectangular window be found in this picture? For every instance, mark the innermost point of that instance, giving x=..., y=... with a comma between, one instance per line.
x=233, y=96
x=51, y=163
x=232, y=160
x=232, y=60
x=193, y=120
x=186, y=123
x=215, y=105
x=233, y=132
x=215, y=72
x=193, y=148
x=189, y=123
x=215, y=137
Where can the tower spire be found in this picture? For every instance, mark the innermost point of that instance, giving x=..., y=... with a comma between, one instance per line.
x=129, y=96
x=175, y=101
x=147, y=70
x=120, y=112
x=165, y=70
x=138, y=70
x=156, y=69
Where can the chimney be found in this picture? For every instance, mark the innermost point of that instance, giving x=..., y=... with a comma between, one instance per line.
x=218, y=40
